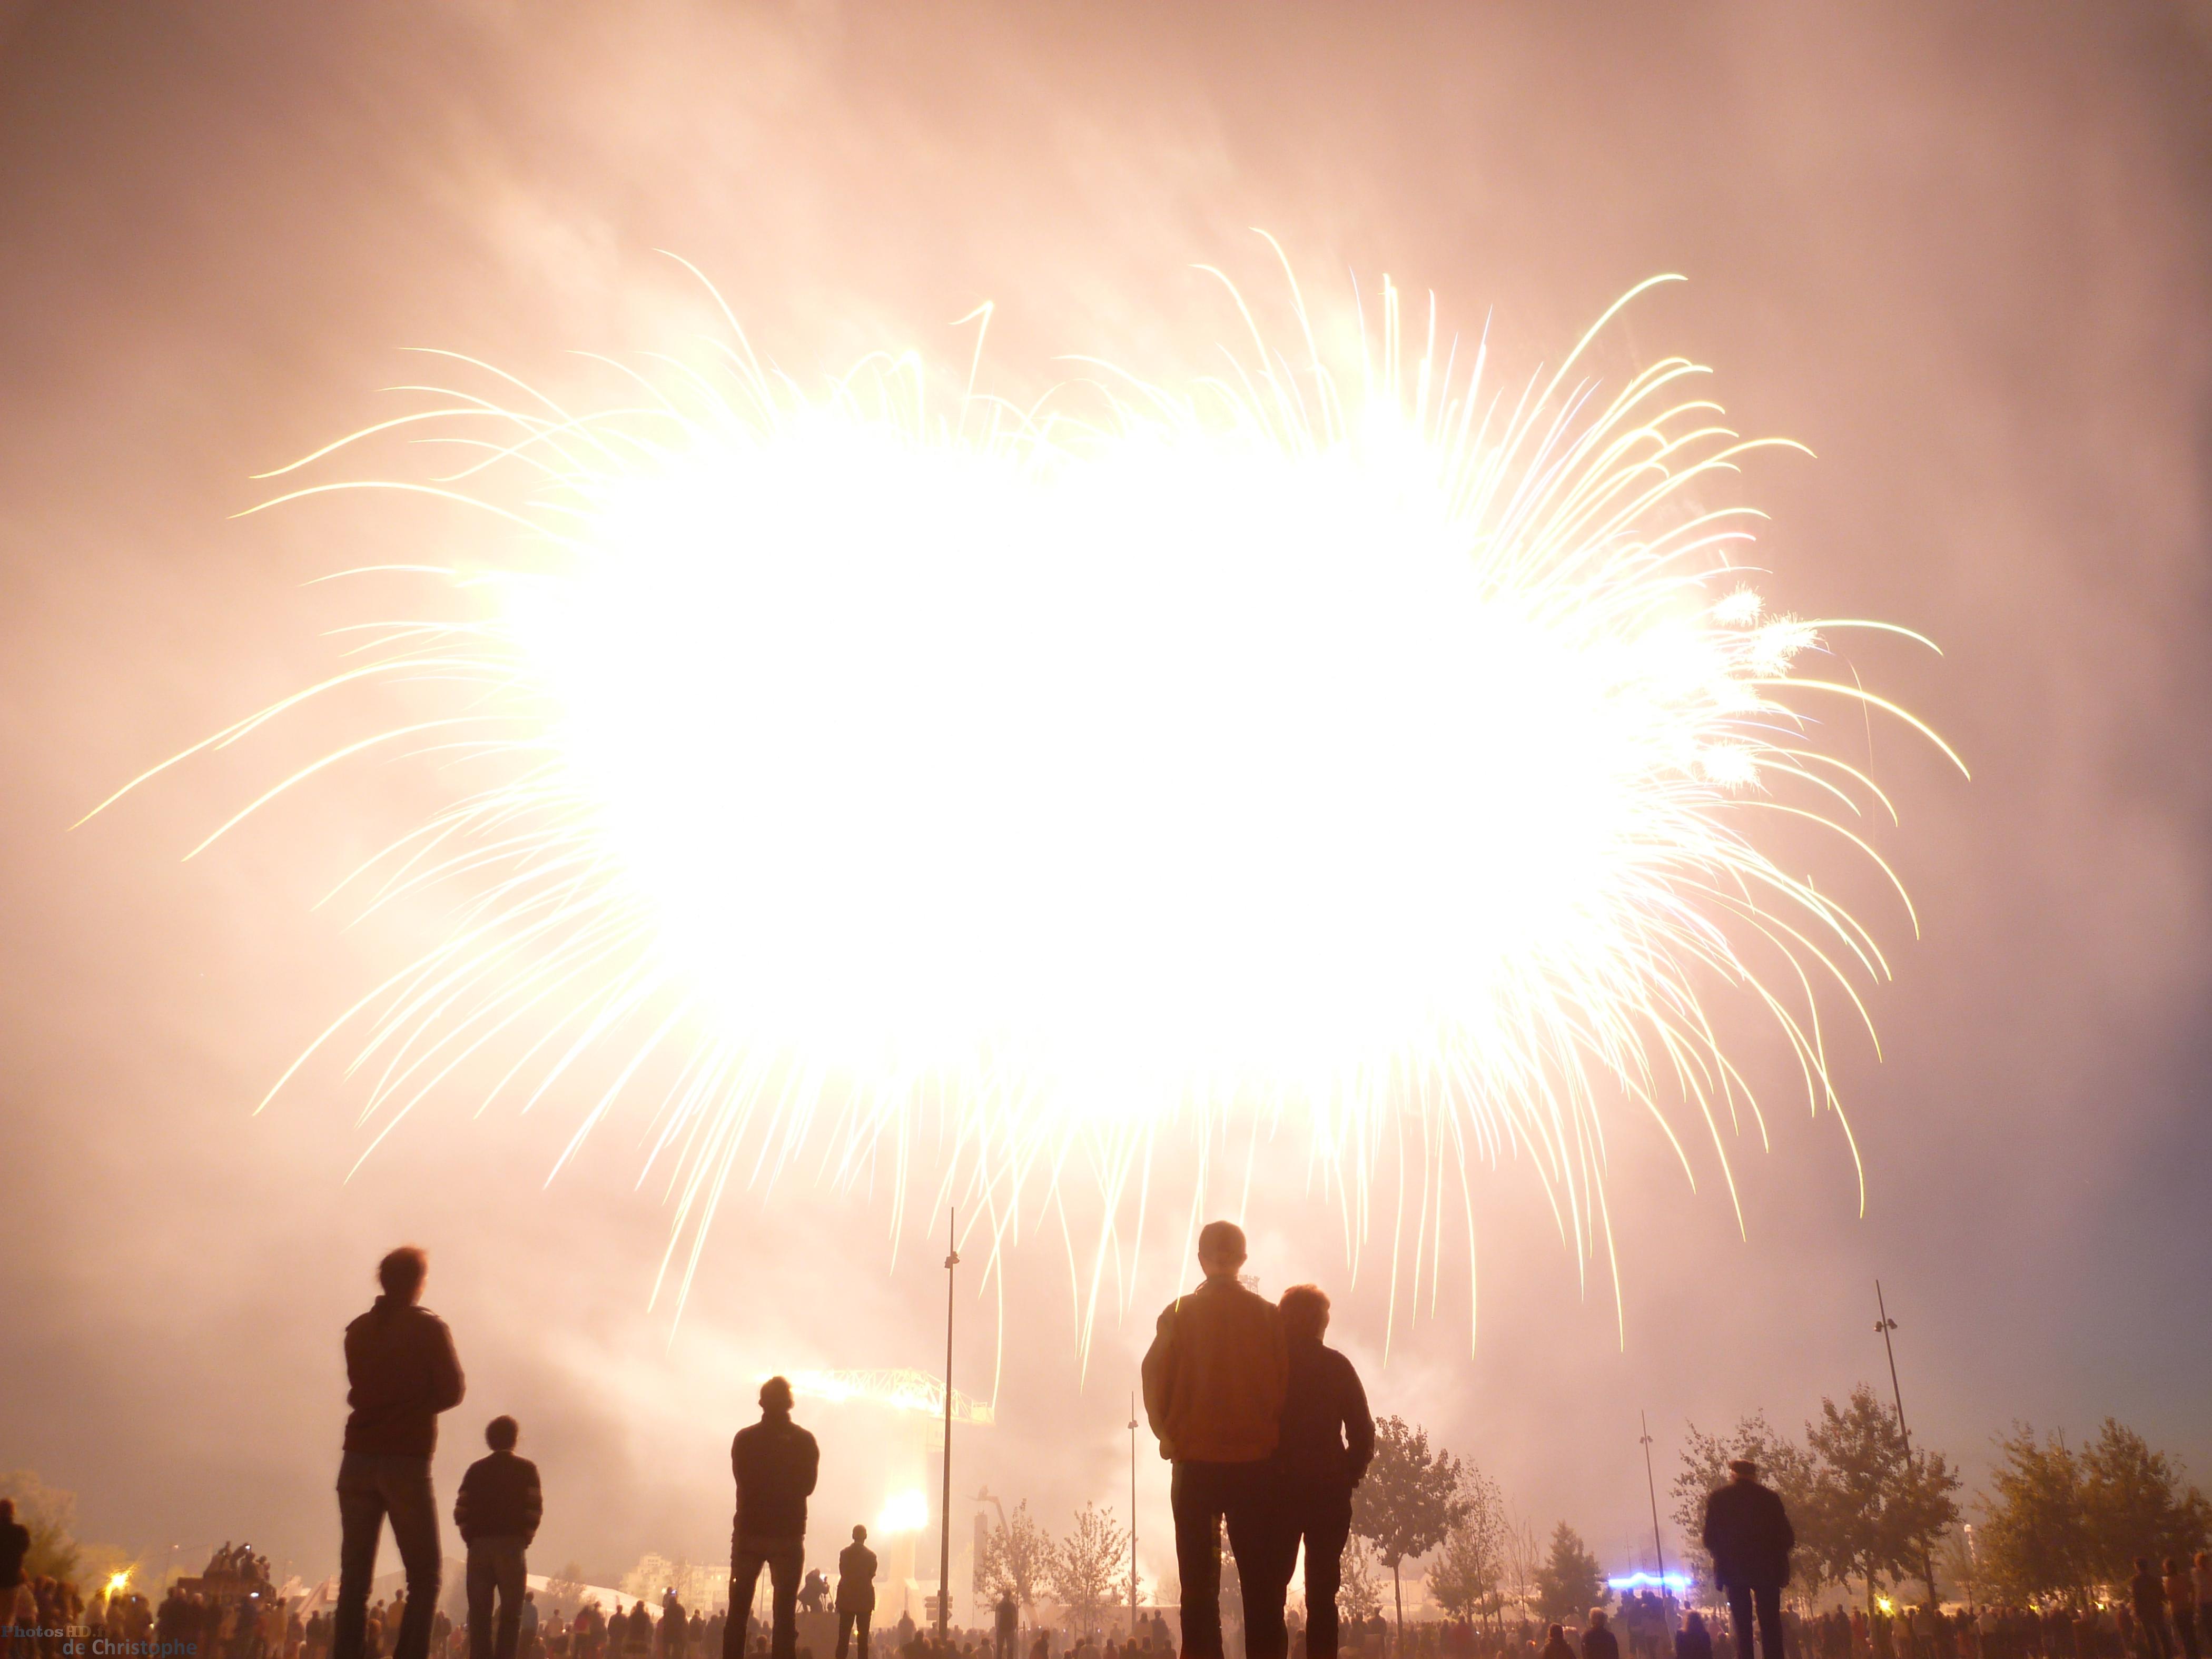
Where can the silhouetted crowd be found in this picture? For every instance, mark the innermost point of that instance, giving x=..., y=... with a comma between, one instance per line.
x=1265, y=1428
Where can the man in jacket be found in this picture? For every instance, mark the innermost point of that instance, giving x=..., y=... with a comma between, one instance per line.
x=497, y=1510
x=1214, y=1383
x=1327, y=1440
x=14, y=1594
x=856, y=1591
x=775, y=1462
x=401, y=1372
x=1748, y=1535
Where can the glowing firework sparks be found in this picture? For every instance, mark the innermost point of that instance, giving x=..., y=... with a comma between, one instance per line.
x=899, y=1390
x=1368, y=753
x=903, y=1512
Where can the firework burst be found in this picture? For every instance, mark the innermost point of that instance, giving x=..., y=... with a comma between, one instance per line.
x=991, y=800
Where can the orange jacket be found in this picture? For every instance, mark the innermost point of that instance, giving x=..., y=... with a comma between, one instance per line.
x=1216, y=1374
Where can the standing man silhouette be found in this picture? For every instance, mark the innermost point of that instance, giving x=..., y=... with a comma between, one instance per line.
x=856, y=1591
x=401, y=1372
x=775, y=1462
x=1748, y=1535
x=1214, y=1383
x=497, y=1514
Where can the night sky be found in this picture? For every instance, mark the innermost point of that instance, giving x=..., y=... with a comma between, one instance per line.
x=1959, y=252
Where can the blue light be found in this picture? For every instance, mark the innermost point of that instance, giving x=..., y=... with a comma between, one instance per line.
x=1672, y=1581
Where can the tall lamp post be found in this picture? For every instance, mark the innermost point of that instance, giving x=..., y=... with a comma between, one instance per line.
x=1651, y=1485
x=1885, y=1324
x=1133, y=1515
x=944, y=1510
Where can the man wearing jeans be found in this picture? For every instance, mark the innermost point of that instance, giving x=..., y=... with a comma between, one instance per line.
x=497, y=1512
x=774, y=1462
x=1215, y=1379
x=402, y=1372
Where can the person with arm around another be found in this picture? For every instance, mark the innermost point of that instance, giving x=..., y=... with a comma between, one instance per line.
x=1214, y=1379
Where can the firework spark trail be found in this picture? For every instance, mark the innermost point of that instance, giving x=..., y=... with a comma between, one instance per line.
x=985, y=806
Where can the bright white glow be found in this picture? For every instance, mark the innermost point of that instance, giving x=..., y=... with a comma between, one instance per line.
x=902, y=1512
x=899, y=1391
x=1193, y=762
x=1327, y=745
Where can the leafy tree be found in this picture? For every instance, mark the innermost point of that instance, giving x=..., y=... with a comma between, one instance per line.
x=2035, y=1539
x=1086, y=1567
x=49, y=1515
x=1525, y=1554
x=1568, y=1583
x=1783, y=1465
x=1875, y=1507
x=1017, y=1559
x=1407, y=1502
x=1359, y=1597
x=2137, y=1502
x=1465, y=1577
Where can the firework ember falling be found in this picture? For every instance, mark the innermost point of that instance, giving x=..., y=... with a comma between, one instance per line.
x=1007, y=797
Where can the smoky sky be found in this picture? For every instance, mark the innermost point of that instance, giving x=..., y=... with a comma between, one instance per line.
x=1959, y=252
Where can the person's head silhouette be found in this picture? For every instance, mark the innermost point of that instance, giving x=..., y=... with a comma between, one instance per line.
x=1305, y=1312
x=860, y=1535
x=775, y=1397
x=1220, y=1249
x=402, y=1271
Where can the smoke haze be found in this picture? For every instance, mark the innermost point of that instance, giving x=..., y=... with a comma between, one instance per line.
x=1958, y=252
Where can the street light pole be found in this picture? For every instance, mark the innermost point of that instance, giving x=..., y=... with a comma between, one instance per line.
x=1651, y=1485
x=1133, y=1515
x=1885, y=1324
x=944, y=1510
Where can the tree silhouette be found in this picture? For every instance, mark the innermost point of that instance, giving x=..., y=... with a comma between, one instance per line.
x=1016, y=1560
x=2137, y=1503
x=1086, y=1567
x=49, y=1515
x=1568, y=1583
x=1407, y=1502
x=1465, y=1577
x=1875, y=1507
x=2034, y=1539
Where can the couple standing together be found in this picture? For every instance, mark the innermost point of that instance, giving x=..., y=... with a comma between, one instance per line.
x=1268, y=1432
